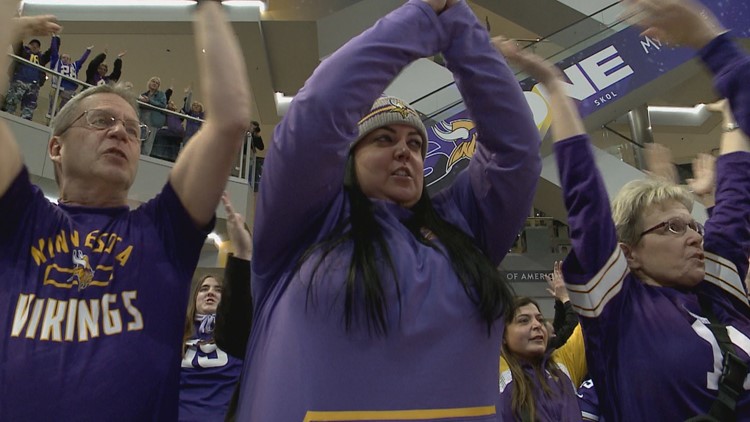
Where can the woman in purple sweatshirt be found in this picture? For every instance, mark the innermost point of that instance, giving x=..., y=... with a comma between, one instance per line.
x=373, y=300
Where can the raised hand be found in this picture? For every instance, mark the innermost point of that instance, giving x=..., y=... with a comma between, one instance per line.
x=540, y=69
x=240, y=238
x=556, y=283
x=437, y=5
x=91, y=47
x=659, y=163
x=121, y=54
x=41, y=25
x=703, y=183
x=676, y=22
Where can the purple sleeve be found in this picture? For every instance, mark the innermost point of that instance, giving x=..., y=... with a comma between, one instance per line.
x=592, y=231
x=304, y=169
x=16, y=205
x=728, y=228
x=731, y=68
x=83, y=59
x=182, y=240
x=54, y=49
x=505, y=168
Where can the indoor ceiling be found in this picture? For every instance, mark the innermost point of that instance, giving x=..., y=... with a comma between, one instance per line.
x=281, y=51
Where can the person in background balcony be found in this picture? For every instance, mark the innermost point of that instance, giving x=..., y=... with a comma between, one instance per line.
x=62, y=63
x=151, y=117
x=27, y=80
x=96, y=71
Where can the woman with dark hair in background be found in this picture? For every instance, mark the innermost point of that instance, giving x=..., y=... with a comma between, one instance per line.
x=216, y=331
x=539, y=384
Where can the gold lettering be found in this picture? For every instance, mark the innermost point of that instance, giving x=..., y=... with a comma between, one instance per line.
x=123, y=256
x=137, y=322
x=70, y=323
x=51, y=248
x=90, y=238
x=113, y=239
x=38, y=254
x=22, y=314
x=53, y=316
x=35, y=314
x=61, y=244
x=99, y=243
x=112, y=320
x=88, y=320
x=75, y=239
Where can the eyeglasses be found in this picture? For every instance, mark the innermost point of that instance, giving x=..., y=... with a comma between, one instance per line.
x=102, y=120
x=676, y=226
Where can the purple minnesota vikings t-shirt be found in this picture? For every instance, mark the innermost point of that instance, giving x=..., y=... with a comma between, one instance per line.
x=91, y=307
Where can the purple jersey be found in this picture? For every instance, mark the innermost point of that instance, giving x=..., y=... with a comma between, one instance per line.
x=207, y=380
x=92, y=306
x=560, y=405
x=589, y=402
x=438, y=359
x=649, y=348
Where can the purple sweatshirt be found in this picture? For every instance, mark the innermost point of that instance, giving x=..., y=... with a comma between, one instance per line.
x=649, y=349
x=92, y=307
x=438, y=359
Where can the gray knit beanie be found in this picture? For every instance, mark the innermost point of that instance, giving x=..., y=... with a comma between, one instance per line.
x=389, y=111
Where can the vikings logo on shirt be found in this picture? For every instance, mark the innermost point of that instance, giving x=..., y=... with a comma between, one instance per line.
x=82, y=273
x=449, y=151
x=107, y=249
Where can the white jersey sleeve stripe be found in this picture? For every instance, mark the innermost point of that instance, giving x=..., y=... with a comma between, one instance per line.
x=590, y=299
x=723, y=274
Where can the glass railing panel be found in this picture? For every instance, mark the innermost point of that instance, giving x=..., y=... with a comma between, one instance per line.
x=167, y=143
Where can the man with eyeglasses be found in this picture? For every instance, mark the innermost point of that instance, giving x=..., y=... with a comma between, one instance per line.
x=93, y=294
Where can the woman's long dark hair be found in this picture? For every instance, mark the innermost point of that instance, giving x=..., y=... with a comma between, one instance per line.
x=479, y=277
x=522, y=395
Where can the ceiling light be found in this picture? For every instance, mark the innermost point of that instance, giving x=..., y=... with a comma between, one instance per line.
x=110, y=3
x=245, y=3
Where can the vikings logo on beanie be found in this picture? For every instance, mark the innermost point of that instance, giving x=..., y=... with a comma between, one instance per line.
x=391, y=111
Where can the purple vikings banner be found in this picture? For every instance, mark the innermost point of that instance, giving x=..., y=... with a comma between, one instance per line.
x=597, y=76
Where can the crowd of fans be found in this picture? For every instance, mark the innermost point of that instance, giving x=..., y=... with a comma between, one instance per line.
x=367, y=298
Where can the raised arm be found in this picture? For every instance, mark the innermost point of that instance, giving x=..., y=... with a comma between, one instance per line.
x=10, y=154
x=54, y=49
x=304, y=168
x=84, y=57
x=505, y=169
x=686, y=22
x=583, y=188
x=94, y=65
x=203, y=167
x=117, y=71
x=234, y=317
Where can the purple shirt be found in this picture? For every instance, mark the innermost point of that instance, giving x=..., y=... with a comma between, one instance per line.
x=589, y=402
x=207, y=380
x=92, y=306
x=438, y=359
x=559, y=406
x=649, y=349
